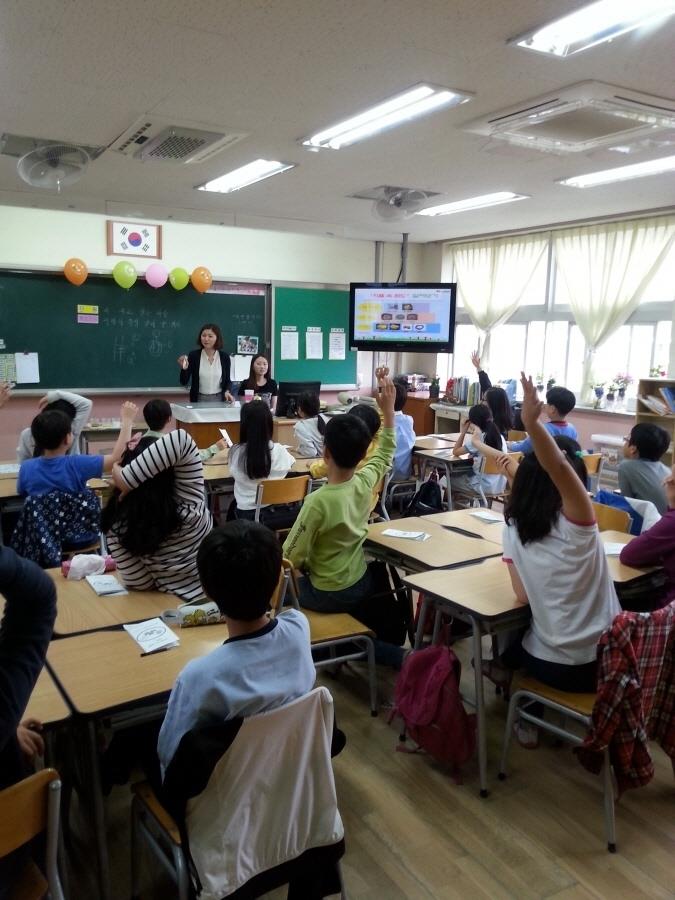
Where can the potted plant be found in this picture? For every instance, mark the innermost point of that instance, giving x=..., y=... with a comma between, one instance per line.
x=550, y=382
x=435, y=388
x=599, y=390
x=623, y=380
x=612, y=388
x=539, y=381
x=657, y=372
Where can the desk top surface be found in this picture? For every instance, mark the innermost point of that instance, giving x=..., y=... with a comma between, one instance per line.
x=432, y=442
x=484, y=590
x=467, y=520
x=104, y=670
x=80, y=609
x=46, y=703
x=221, y=471
x=444, y=548
x=8, y=486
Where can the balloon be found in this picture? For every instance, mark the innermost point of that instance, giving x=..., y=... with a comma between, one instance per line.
x=75, y=271
x=156, y=275
x=201, y=279
x=178, y=278
x=124, y=274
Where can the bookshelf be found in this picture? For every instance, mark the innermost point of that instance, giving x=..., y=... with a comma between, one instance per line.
x=649, y=387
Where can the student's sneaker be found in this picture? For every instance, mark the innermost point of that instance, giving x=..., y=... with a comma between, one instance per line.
x=498, y=674
x=526, y=734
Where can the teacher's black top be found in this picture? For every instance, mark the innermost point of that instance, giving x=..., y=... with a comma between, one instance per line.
x=191, y=374
x=248, y=384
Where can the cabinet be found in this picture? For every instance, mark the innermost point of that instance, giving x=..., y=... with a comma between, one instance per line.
x=649, y=387
x=418, y=406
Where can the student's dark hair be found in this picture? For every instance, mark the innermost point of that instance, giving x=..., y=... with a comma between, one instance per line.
x=309, y=404
x=401, y=396
x=239, y=566
x=498, y=401
x=481, y=416
x=148, y=515
x=651, y=441
x=535, y=502
x=50, y=429
x=156, y=413
x=211, y=326
x=368, y=415
x=575, y=456
x=251, y=373
x=64, y=406
x=563, y=400
x=252, y=453
x=347, y=439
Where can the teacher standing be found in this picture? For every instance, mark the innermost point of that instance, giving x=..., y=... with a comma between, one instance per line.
x=207, y=370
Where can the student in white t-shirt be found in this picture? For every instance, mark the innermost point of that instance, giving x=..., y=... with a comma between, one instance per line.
x=478, y=430
x=557, y=564
x=255, y=458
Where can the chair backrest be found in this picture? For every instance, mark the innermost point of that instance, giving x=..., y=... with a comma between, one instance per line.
x=491, y=467
x=593, y=463
x=611, y=519
x=514, y=435
x=282, y=490
x=292, y=587
x=277, y=599
x=295, y=807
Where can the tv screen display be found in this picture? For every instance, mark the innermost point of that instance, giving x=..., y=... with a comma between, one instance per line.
x=417, y=318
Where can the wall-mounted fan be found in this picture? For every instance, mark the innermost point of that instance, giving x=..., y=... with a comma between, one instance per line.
x=399, y=204
x=53, y=166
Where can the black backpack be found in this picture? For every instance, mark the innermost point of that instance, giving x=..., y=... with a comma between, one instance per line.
x=387, y=610
x=427, y=500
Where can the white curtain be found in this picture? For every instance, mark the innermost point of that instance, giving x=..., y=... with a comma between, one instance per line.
x=493, y=275
x=605, y=269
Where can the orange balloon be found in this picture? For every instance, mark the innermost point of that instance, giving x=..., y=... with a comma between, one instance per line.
x=201, y=279
x=75, y=271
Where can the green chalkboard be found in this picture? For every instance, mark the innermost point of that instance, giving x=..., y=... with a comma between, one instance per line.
x=138, y=336
x=312, y=308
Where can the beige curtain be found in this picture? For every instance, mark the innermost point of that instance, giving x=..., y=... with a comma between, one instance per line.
x=604, y=270
x=492, y=276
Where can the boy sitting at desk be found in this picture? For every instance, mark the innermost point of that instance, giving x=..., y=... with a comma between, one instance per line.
x=559, y=403
x=405, y=436
x=157, y=414
x=326, y=542
x=78, y=410
x=55, y=476
x=641, y=472
x=265, y=663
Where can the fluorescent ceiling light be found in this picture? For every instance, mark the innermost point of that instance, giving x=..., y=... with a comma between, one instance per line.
x=254, y=171
x=416, y=101
x=594, y=24
x=622, y=173
x=447, y=209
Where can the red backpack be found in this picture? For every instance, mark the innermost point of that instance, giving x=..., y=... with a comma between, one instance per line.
x=427, y=699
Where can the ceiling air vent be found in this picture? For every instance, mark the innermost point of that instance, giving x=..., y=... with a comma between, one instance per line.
x=151, y=139
x=579, y=118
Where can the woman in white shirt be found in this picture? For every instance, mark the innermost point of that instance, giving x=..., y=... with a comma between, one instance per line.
x=255, y=458
x=207, y=370
x=557, y=565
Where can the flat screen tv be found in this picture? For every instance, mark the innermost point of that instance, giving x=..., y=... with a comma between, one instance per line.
x=414, y=318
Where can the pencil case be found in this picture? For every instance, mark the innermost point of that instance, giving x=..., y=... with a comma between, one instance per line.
x=193, y=614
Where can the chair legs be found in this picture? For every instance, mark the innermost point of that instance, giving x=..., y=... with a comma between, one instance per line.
x=142, y=825
x=508, y=731
x=608, y=788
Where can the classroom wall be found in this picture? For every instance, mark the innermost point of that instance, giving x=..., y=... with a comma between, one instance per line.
x=45, y=239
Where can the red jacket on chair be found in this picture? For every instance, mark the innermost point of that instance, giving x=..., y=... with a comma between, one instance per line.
x=636, y=696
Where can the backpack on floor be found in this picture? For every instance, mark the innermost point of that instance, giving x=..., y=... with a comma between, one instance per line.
x=387, y=610
x=427, y=500
x=427, y=699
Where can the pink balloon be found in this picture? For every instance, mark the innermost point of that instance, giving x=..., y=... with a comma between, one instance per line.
x=156, y=275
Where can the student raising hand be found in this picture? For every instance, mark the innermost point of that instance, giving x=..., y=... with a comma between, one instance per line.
x=386, y=397
x=475, y=359
x=532, y=405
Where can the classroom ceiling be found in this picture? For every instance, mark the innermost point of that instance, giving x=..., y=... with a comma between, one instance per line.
x=279, y=70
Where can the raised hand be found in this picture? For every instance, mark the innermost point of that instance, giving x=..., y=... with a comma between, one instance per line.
x=128, y=411
x=532, y=405
x=475, y=359
x=183, y=361
x=381, y=372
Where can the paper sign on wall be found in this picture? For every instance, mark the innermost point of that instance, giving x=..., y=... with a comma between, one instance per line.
x=289, y=342
x=27, y=368
x=314, y=343
x=336, y=343
x=87, y=314
x=7, y=367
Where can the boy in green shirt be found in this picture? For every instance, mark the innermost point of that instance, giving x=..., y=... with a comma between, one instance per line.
x=326, y=542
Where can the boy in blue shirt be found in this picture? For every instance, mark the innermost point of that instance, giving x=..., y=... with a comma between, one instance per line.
x=559, y=403
x=405, y=436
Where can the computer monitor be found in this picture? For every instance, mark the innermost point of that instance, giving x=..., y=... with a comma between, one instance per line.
x=289, y=394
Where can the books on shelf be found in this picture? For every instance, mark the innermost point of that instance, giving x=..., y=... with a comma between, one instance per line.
x=655, y=404
x=668, y=395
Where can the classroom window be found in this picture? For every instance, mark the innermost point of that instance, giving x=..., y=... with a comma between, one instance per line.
x=555, y=352
x=507, y=352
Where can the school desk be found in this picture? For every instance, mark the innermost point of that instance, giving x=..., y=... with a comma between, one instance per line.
x=203, y=423
x=465, y=520
x=80, y=609
x=440, y=551
x=46, y=703
x=481, y=595
x=99, y=432
x=102, y=673
x=445, y=461
x=431, y=442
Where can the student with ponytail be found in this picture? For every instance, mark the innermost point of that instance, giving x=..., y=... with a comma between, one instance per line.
x=481, y=426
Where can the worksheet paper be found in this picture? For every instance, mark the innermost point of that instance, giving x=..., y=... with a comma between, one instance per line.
x=487, y=517
x=407, y=535
x=314, y=345
x=613, y=549
x=241, y=366
x=152, y=636
x=336, y=345
x=27, y=368
x=289, y=345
